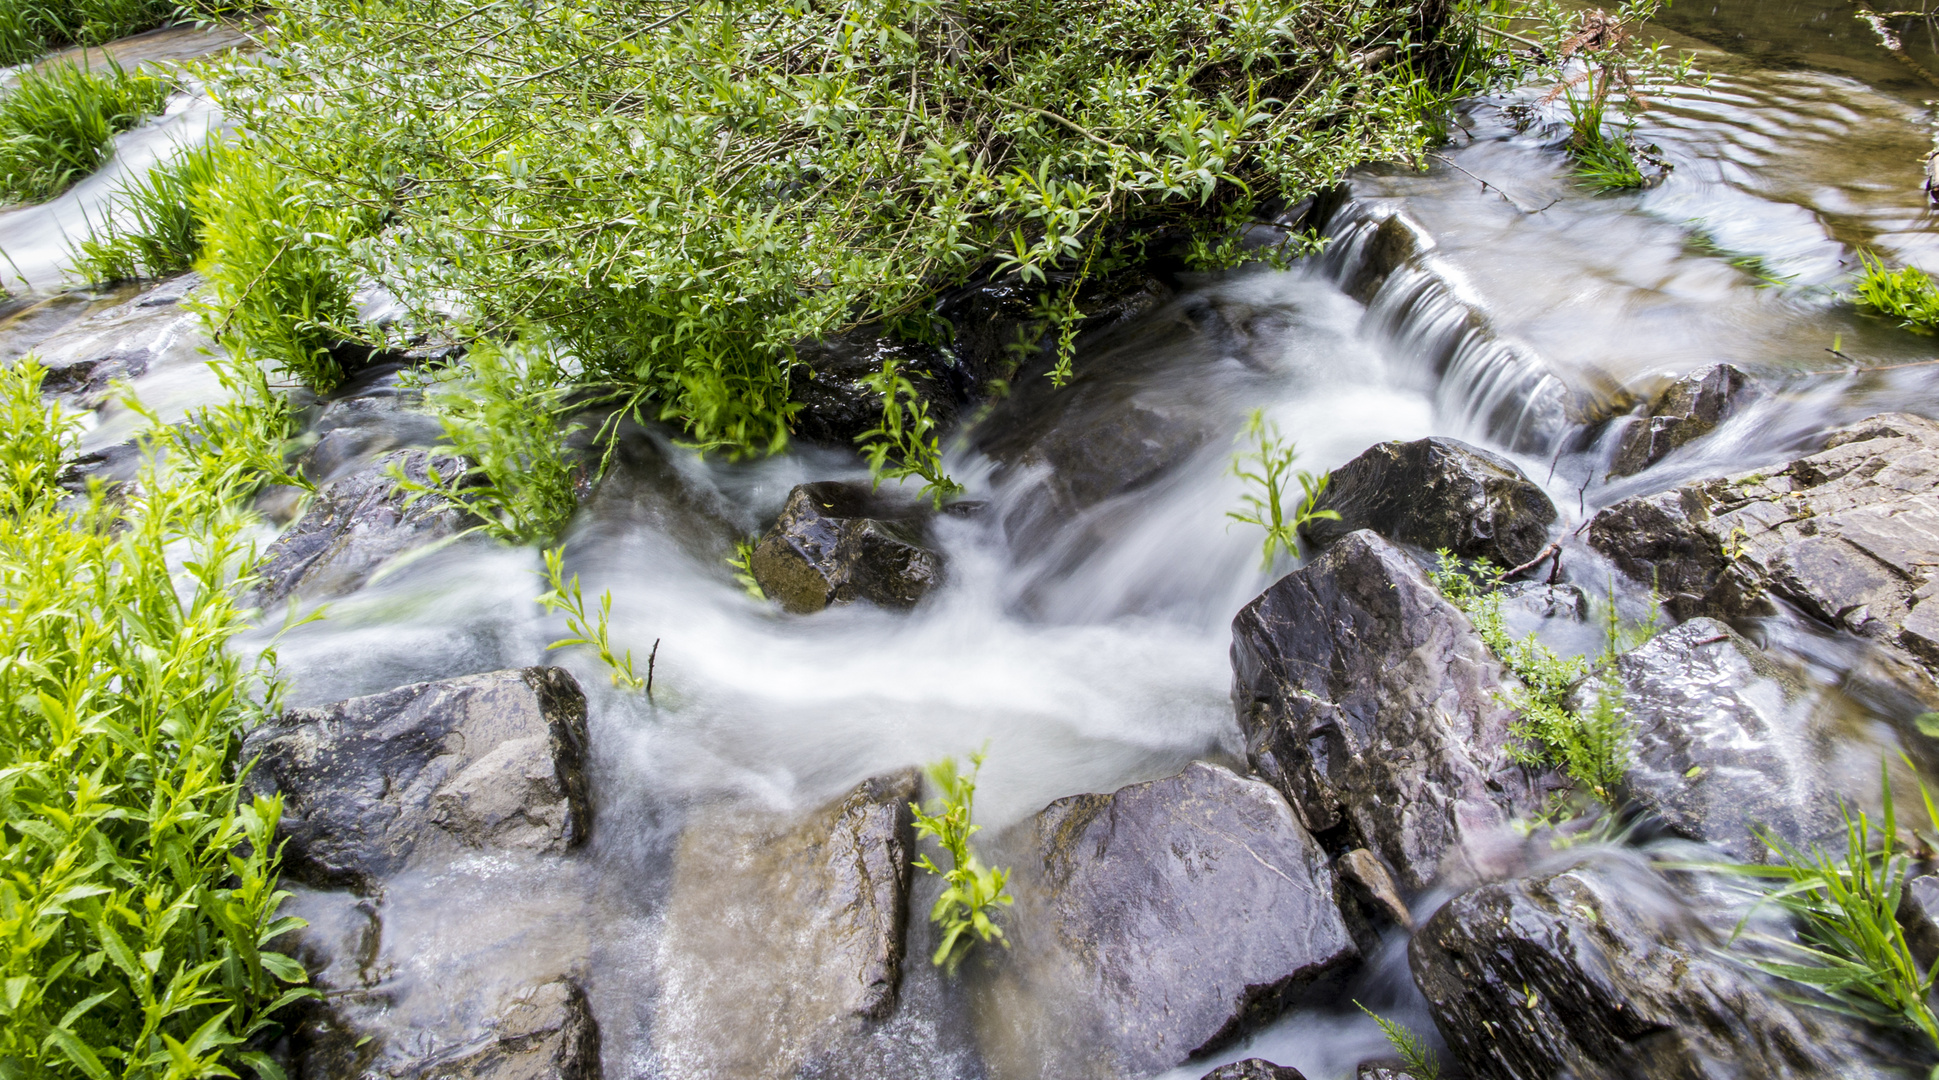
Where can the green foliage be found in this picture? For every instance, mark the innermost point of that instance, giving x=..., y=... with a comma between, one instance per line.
x=1908, y=294
x=1592, y=748
x=137, y=889
x=973, y=891
x=1414, y=1053
x=1268, y=466
x=57, y=124
x=564, y=597
x=31, y=27
x=742, y=561
x=907, y=433
x=682, y=191
x=162, y=235
x=504, y=417
x=1851, y=945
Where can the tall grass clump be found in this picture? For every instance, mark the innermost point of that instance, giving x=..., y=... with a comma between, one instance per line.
x=159, y=233
x=1907, y=294
x=681, y=192
x=137, y=887
x=31, y=27
x=58, y=123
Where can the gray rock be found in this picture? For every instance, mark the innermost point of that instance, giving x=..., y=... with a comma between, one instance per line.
x=1395, y=242
x=1383, y=1070
x=1163, y=920
x=1370, y=701
x=1692, y=407
x=543, y=1032
x=1919, y=914
x=1719, y=744
x=375, y=784
x=831, y=545
x=1438, y=493
x=791, y=936
x=1849, y=536
x=1254, y=1069
x=357, y=524
x=149, y=330
x=1599, y=973
x=351, y=431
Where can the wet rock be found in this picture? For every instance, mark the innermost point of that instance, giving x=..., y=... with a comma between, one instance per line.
x=1438, y=493
x=1693, y=406
x=543, y=1032
x=1598, y=973
x=826, y=381
x=1165, y=919
x=1370, y=701
x=1254, y=1069
x=1719, y=746
x=1383, y=1070
x=83, y=357
x=1919, y=915
x=357, y=524
x=833, y=546
x=356, y=427
x=1395, y=242
x=1363, y=870
x=375, y=784
x=1849, y=536
x=784, y=945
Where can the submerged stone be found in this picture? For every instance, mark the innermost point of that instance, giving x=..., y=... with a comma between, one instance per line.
x=375, y=784
x=1692, y=407
x=832, y=545
x=1373, y=704
x=542, y=1032
x=1438, y=493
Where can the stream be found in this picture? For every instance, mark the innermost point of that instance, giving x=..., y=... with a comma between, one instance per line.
x=1093, y=653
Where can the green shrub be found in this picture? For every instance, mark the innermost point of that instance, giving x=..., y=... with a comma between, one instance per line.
x=974, y=891
x=162, y=234
x=1908, y=294
x=1273, y=461
x=137, y=889
x=57, y=124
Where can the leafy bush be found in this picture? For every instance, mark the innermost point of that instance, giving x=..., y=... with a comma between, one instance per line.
x=137, y=889
x=1908, y=294
x=682, y=192
x=1274, y=459
x=974, y=891
x=57, y=124
x=162, y=234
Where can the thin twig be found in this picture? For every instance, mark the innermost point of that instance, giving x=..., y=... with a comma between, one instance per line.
x=650, y=658
x=1486, y=186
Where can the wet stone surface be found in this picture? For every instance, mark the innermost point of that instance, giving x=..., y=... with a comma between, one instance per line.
x=543, y=1032
x=1692, y=407
x=833, y=544
x=1438, y=493
x=1254, y=1069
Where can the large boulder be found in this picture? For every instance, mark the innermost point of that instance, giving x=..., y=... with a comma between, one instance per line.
x=1720, y=746
x=357, y=524
x=1438, y=493
x=1161, y=921
x=833, y=544
x=1600, y=973
x=375, y=784
x=1849, y=536
x=1691, y=407
x=1370, y=701
x=783, y=945
x=540, y=1032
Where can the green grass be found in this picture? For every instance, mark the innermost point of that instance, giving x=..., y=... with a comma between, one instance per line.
x=161, y=233
x=973, y=891
x=58, y=123
x=1908, y=295
x=137, y=888
x=31, y=27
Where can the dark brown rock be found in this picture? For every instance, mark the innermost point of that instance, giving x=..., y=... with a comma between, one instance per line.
x=1600, y=973
x=375, y=784
x=1162, y=920
x=1383, y=1070
x=1692, y=407
x=1438, y=493
x=834, y=545
x=827, y=382
x=791, y=936
x=1370, y=701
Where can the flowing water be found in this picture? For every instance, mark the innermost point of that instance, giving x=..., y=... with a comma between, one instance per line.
x=1095, y=655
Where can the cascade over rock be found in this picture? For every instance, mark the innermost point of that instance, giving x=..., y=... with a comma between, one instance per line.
x=540, y=1032
x=1370, y=701
x=1690, y=408
x=1438, y=493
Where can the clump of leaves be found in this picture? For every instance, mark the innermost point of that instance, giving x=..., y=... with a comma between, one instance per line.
x=564, y=596
x=973, y=891
x=1614, y=68
x=1421, y=1062
x=1268, y=466
x=904, y=443
x=58, y=123
x=159, y=233
x=138, y=892
x=742, y=562
x=1907, y=294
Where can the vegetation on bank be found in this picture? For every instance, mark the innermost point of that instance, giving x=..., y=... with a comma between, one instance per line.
x=137, y=887
x=58, y=123
x=31, y=27
x=1907, y=294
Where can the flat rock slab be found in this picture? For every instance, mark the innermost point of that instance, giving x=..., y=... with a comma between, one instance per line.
x=1599, y=973
x=359, y=523
x=1720, y=741
x=1162, y=920
x=1689, y=409
x=1849, y=536
x=376, y=784
x=1370, y=701
x=834, y=545
x=1438, y=493
x=145, y=332
x=784, y=942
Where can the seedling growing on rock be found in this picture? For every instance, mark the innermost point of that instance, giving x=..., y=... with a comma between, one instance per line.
x=1413, y=1051
x=1268, y=468
x=974, y=891
x=565, y=596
